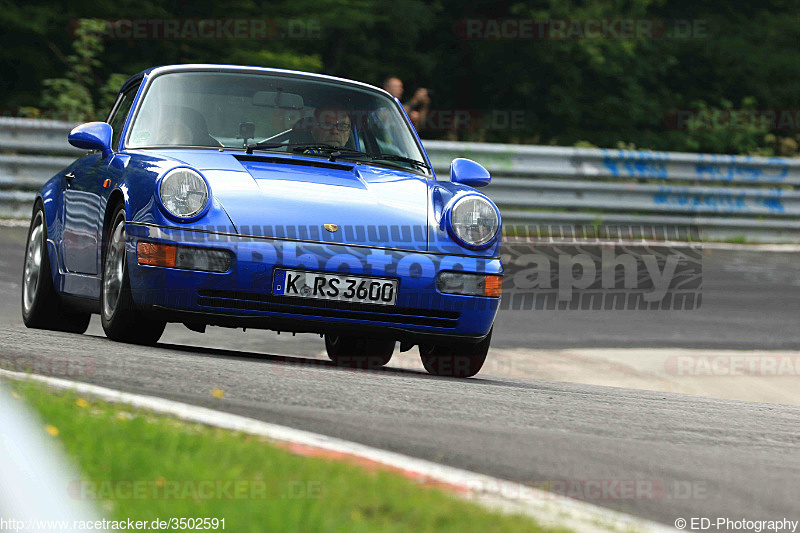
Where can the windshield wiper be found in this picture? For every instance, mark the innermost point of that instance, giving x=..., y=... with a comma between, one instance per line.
x=336, y=151
x=301, y=147
x=403, y=159
x=347, y=152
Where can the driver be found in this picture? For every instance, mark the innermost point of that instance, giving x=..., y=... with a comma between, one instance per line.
x=332, y=126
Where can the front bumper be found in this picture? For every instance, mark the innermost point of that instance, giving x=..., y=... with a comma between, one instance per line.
x=242, y=296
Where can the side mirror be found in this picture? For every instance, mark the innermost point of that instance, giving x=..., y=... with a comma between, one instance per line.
x=92, y=136
x=469, y=173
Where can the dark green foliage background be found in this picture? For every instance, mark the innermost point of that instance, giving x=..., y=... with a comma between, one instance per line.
x=609, y=93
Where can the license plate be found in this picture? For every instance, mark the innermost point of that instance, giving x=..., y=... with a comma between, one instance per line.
x=321, y=286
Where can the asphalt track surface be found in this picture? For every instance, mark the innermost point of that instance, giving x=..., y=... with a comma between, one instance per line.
x=690, y=456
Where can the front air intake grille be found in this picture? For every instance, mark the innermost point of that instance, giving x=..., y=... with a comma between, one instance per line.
x=249, y=301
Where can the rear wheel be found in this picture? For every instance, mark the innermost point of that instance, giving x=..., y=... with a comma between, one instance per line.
x=120, y=320
x=458, y=360
x=41, y=306
x=359, y=352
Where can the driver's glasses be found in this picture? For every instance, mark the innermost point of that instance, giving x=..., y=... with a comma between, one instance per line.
x=341, y=126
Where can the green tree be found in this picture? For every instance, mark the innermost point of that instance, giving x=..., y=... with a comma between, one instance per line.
x=602, y=92
x=73, y=96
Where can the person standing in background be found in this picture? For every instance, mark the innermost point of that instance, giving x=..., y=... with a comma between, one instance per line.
x=419, y=105
x=394, y=86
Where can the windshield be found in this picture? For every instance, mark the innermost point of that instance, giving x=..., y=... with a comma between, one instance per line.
x=274, y=113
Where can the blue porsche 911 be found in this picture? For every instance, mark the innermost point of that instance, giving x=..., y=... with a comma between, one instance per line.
x=263, y=198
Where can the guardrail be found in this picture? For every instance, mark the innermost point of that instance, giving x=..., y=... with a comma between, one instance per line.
x=725, y=197
x=31, y=152
x=740, y=197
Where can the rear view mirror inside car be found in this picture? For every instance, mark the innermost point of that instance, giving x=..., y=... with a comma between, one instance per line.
x=278, y=99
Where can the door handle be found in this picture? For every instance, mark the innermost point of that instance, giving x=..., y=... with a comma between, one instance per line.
x=69, y=176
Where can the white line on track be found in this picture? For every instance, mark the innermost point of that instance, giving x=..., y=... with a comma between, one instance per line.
x=14, y=223
x=546, y=508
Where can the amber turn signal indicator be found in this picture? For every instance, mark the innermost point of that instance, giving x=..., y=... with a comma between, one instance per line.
x=494, y=286
x=153, y=254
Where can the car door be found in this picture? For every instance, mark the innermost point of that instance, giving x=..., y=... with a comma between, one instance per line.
x=85, y=198
x=82, y=211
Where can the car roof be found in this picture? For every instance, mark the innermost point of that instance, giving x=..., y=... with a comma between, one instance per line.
x=242, y=68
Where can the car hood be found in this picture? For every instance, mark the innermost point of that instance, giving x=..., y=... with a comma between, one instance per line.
x=295, y=197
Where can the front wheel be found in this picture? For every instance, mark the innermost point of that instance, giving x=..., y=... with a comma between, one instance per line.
x=458, y=360
x=120, y=320
x=359, y=352
x=41, y=306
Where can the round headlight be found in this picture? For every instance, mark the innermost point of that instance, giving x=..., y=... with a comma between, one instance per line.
x=184, y=192
x=474, y=220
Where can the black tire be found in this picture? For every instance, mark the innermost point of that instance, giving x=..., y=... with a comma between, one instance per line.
x=121, y=321
x=458, y=360
x=41, y=306
x=359, y=352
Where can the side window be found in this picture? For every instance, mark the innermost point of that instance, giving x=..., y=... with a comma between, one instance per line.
x=120, y=113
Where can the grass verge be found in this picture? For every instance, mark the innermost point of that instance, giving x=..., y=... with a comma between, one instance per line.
x=145, y=466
